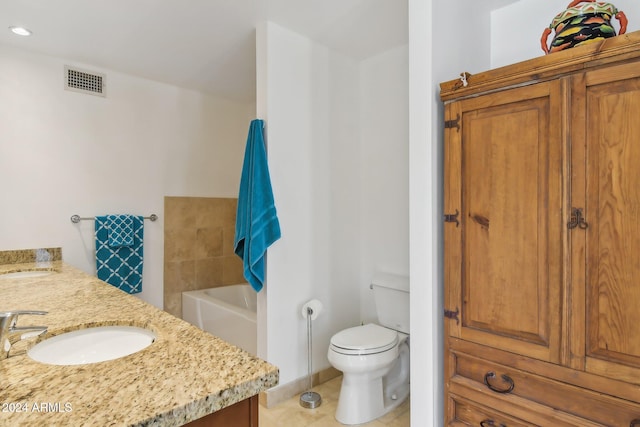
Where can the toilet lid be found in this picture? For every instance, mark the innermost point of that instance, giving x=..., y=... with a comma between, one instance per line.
x=366, y=339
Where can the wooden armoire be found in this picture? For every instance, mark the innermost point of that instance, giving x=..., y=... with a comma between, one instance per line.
x=542, y=240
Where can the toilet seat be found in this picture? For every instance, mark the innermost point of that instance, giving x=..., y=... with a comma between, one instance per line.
x=363, y=340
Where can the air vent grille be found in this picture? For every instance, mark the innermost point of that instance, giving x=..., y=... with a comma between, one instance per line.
x=84, y=81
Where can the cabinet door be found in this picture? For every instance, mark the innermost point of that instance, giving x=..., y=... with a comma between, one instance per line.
x=611, y=124
x=503, y=261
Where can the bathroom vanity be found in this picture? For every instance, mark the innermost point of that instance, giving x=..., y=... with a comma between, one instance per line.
x=185, y=377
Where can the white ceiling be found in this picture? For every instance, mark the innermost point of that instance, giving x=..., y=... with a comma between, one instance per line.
x=206, y=45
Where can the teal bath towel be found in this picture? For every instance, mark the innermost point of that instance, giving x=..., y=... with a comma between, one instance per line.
x=257, y=225
x=120, y=264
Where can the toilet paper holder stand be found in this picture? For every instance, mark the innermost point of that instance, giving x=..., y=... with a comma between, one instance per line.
x=310, y=399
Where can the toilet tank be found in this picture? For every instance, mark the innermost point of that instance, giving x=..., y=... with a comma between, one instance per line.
x=391, y=296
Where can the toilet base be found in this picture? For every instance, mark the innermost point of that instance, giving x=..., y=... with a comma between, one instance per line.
x=361, y=403
x=364, y=398
x=396, y=399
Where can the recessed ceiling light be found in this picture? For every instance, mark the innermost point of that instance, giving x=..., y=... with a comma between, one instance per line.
x=21, y=31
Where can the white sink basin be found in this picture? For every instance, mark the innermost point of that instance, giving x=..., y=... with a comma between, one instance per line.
x=92, y=345
x=25, y=274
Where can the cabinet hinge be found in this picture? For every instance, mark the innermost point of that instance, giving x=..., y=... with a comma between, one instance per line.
x=452, y=314
x=454, y=123
x=452, y=218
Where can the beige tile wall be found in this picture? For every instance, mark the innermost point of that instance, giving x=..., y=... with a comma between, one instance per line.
x=198, y=247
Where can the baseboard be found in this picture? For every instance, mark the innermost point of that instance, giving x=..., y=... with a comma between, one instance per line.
x=282, y=392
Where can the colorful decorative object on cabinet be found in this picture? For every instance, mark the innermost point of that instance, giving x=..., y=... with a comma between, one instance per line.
x=582, y=22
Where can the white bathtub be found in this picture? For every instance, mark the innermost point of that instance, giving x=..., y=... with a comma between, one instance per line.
x=228, y=312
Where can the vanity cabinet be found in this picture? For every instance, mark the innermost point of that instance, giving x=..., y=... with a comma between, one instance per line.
x=542, y=240
x=242, y=414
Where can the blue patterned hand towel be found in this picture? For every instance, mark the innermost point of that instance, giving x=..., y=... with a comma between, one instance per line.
x=120, y=230
x=257, y=225
x=120, y=266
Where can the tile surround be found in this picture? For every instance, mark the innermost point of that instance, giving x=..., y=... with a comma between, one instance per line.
x=198, y=247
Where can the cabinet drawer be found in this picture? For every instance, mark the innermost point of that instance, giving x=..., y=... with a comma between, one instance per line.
x=496, y=379
x=468, y=413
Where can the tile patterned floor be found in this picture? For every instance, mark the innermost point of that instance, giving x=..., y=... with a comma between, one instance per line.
x=291, y=414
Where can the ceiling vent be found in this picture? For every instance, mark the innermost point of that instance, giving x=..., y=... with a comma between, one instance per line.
x=84, y=81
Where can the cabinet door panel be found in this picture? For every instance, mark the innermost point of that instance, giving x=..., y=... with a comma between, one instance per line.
x=503, y=173
x=613, y=236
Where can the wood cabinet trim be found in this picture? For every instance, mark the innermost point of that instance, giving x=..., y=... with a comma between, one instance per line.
x=516, y=406
x=548, y=391
x=597, y=54
x=587, y=380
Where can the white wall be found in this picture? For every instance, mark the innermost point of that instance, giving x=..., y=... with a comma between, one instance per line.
x=384, y=154
x=514, y=38
x=423, y=256
x=338, y=155
x=65, y=153
x=304, y=123
x=445, y=38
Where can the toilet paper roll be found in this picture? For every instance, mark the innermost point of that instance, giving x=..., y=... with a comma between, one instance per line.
x=316, y=309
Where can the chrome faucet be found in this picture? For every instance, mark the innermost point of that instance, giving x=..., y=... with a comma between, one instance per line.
x=10, y=333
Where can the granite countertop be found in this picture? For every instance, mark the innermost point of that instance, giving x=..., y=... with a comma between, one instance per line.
x=184, y=375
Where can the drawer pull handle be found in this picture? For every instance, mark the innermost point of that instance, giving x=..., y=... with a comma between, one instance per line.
x=490, y=423
x=504, y=377
x=635, y=423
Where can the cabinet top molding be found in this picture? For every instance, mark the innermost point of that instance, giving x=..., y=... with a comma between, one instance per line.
x=622, y=48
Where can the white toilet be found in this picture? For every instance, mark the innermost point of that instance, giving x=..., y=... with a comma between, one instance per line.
x=374, y=359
